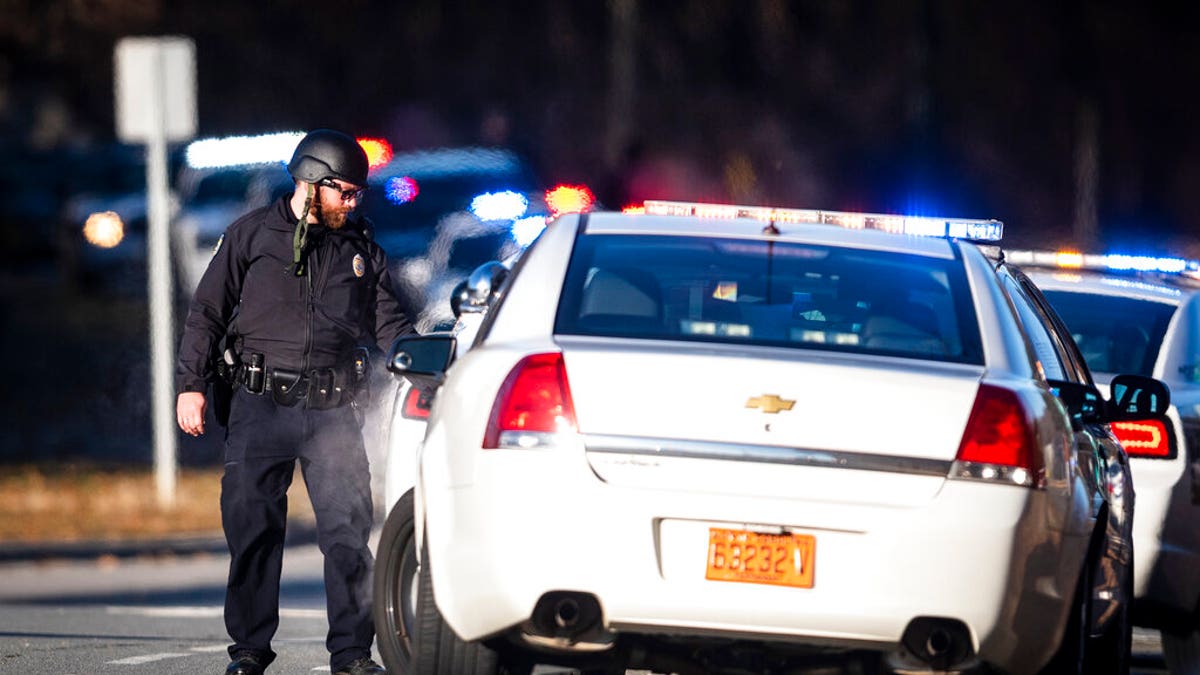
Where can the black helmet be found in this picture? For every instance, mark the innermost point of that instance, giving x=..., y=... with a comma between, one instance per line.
x=325, y=153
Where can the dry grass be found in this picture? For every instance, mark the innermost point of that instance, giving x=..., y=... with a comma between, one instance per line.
x=73, y=503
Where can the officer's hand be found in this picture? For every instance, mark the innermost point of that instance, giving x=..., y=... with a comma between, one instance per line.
x=189, y=411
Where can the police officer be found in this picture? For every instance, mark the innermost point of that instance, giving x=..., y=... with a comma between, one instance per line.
x=302, y=288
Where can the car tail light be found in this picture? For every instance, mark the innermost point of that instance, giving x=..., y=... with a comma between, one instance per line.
x=534, y=404
x=1144, y=438
x=998, y=444
x=416, y=404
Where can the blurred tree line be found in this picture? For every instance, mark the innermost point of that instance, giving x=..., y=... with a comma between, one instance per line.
x=1071, y=121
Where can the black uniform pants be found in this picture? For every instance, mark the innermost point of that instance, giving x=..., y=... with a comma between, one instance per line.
x=262, y=443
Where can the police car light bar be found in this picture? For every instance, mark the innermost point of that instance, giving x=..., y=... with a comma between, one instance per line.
x=230, y=151
x=212, y=153
x=1106, y=262
x=957, y=228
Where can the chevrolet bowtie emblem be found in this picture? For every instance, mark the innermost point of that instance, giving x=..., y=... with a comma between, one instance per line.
x=770, y=403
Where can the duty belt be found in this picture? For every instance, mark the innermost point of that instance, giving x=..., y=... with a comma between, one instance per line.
x=318, y=388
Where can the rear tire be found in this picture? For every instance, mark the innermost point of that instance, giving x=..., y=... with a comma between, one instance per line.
x=438, y=649
x=1082, y=654
x=1110, y=653
x=1072, y=652
x=396, y=583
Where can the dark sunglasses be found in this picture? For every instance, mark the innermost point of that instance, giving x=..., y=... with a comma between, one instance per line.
x=347, y=194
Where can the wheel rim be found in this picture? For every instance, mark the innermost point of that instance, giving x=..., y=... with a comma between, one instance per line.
x=402, y=595
x=409, y=582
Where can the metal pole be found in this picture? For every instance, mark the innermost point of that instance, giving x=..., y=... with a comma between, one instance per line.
x=158, y=256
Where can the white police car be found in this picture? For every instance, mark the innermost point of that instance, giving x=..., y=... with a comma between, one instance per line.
x=411, y=404
x=406, y=418
x=711, y=437
x=1140, y=314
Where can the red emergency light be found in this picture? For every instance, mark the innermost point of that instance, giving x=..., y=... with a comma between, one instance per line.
x=569, y=199
x=379, y=151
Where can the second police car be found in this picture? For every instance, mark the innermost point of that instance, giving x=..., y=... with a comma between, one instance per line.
x=712, y=437
x=1141, y=314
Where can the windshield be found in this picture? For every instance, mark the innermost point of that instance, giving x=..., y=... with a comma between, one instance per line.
x=766, y=293
x=1128, y=344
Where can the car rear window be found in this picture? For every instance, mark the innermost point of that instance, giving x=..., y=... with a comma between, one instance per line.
x=769, y=293
x=1115, y=335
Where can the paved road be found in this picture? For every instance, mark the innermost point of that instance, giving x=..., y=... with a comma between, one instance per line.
x=1147, y=653
x=162, y=615
x=159, y=615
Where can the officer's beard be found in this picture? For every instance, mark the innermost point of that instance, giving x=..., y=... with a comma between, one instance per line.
x=331, y=213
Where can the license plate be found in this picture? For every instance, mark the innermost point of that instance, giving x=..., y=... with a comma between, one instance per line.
x=761, y=557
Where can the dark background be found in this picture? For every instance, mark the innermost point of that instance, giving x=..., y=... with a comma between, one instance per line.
x=1072, y=122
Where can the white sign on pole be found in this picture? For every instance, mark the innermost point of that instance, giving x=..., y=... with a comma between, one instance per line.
x=143, y=64
x=156, y=103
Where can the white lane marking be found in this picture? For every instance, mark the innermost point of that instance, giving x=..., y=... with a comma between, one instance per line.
x=302, y=613
x=148, y=658
x=204, y=612
x=322, y=669
x=168, y=612
x=210, y=648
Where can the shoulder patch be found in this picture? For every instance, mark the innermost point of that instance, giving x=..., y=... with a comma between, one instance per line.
x=217, y=247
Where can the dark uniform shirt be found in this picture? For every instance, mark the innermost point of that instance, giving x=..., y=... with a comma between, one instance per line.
x=343, y=301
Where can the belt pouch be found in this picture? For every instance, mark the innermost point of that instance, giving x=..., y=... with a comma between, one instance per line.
x=350, y=387
x=358, y=377
x=286, y=386
x=321, y=392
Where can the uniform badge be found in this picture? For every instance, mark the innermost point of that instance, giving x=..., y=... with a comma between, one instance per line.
x=217, y=247
x=360, y=265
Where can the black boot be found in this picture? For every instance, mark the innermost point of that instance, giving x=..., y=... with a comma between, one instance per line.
x=363, y=666
x=245, y=664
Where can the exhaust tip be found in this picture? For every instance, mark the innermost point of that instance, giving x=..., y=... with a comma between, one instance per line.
x=566, y=614
x=938, y=642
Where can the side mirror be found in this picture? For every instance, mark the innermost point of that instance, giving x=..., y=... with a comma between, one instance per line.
x=1137, y=397
x=1083, y=402
x=483, y=286
x=460, y=300
x=476, y=294
x=423, y=359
